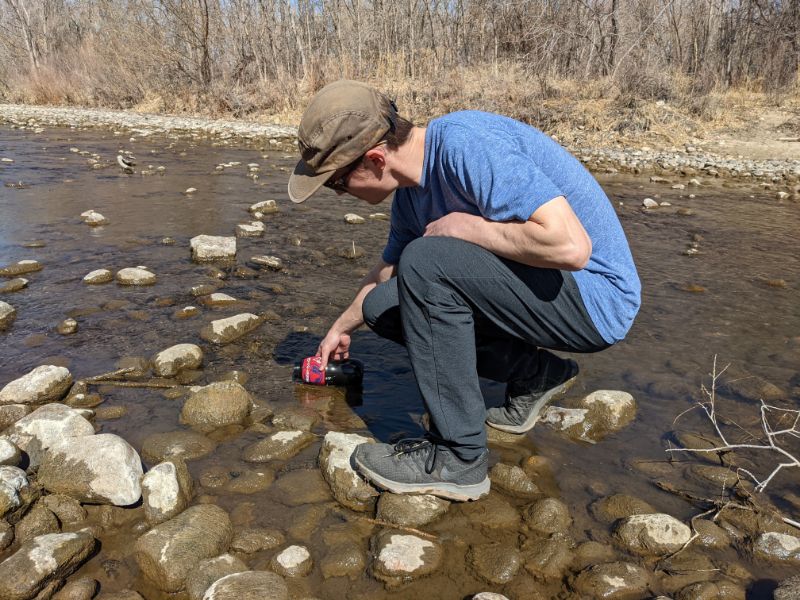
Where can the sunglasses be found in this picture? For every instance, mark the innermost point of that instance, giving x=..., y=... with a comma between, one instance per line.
x=340, y=183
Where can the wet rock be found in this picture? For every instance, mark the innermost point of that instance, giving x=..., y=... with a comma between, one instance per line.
x=47, y=383
x=121, y=595
x=20, y=268
x=613, y=581
x=489, y=596
x=98, y=276
x=67, y=327
x=100, y=468
x=168, y=362
x=211, y=247
x=606, y=412
x=401, y=557
x=7, y=315
x=166, y=491
x=210, y=570
x=187, y=445
x=6, y=534
x=168, y=552
x=252, y=229
x=216, y=405
x=619, y=506
x=218, y=299
x=52, y=423
x=351, y=251
x=788, y=589
x=281, y=445
x=492, y=512
x=37, y=521
x=301, y=487
x=354, y=219
x=711, y=590
x=513, y=480
x=270, y=262
x=495, y=562
x=84, y=588
x=719, y=477
x=777, y=547
x=344, y=560
x=265, y=207
x=13, y=285
x=249, y=481
x=109, y=413
x=753, y=388
x=9, y=453
x=295, y=418
x=294, y=561
x=649, y=203
x=305, y=522
x=135, y=276
x=250, y=585
x=711, y=535
x=653, y=534
x=42, y=563
x=190, y=190
x=187, y=312
x=410, y=510
x=93, y=218
x=224, y=331
x=257, y=539
x=346, y=485
x=547, y=516
x=11, y=413
x=67, y=509
x=548, y=559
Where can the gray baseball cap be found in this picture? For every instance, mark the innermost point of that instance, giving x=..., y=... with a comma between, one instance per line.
x=342, y=121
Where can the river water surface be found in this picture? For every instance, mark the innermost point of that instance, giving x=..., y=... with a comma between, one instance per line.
x=734, y=296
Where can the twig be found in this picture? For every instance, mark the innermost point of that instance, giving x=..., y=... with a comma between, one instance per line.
x=382, y=523
x=139, y=384
x=111, y=375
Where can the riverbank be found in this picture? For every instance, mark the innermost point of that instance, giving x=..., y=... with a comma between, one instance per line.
x=766, y=152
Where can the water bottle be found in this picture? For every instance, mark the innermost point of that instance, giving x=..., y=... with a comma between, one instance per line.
x=345, y=373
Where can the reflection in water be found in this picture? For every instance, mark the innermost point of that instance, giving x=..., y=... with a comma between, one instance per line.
x=721, y=300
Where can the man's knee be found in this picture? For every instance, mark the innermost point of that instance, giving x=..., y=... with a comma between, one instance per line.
x=372, y=308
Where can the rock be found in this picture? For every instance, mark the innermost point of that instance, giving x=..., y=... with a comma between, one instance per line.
x=168, y=552
x=210, y=248
x=11, y=413
x=67, y=509
x=343, y=560
x=168, y=362
x=20, y=268
x=121, y=595
x=270, y=262
x=224, y=331
x=250, y=585
x=253, y=229
x=334, y=460
x=100, y=468
x=208, y=571
x=7, y=315
x=400, y=557
x=216, y=405
x=301, y=487
x=12, y=480
x=51, y=423
x=98, y=276
x=135, y=276
x=265, y=207
x=492, y=512
x=354, y=219
x=187, y=312
x=257, y=539
x=296, y=417
x=777, y=547
x=9, y=453
x=249, y=481
x=47, y=383
x=37, y=521
x=187, y=445
x=711, y=534
x=611, y=508
x=598, y=415
x=14, y=285
x=67, y=327
x=351, y=251
x=93, y=218
x=652, y=534
x=753, y=388
x=711, y=590
x=306, y=521
x=513, y=480
x=217, y=299
x=294, y=561
x=281, y=445
x=649, y=203
x=410, y=510
x=166, y=491
x=190, y=190
x=548, y=516
x=613, y=581
x=495, y=562
x=109, y=413
x=788, y=589
x=548, y=559
x=84, y=588
x=489, y=596
x=6, y=533
x=42, y=563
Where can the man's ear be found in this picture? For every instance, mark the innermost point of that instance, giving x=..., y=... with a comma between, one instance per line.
x=376, y=156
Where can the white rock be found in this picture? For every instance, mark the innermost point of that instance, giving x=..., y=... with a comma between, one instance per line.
x=649, y=203
x=98, y=276
x=135, y=276
x=346, y=485
x=652, y=533
x=166, y=491
x=223, y=331
x=46, y=383
x=219, y=299
x=354, y=219
x=294, y=561
x=250, y=585
x=777, y=546
x=7, y=315
x=12, y=480
x=97, y=468
x=271, y=262
x=213, y=247
x=265, y=207
x=168, y=362
x=9, y=453
x=190, y=190
x=93, y=218
x=36, y=432
x=403, y=553
x=489, y=596
x=253, y=229
x=783, y=195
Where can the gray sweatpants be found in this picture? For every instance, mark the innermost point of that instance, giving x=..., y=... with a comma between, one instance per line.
x=463, y=312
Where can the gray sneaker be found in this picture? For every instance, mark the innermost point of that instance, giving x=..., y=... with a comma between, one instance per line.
x=419, y=466
x=527, y=398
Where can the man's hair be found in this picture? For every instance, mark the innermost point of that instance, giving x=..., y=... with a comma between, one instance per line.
x=400, y=130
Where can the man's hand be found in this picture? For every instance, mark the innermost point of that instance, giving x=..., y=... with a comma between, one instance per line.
x=335, y=346
x=455, y=224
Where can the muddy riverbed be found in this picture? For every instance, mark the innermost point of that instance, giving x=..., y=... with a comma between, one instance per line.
x=720, y=273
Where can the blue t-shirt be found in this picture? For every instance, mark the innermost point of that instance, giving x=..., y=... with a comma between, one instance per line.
x=489, y=165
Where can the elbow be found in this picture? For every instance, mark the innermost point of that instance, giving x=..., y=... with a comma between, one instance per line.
x=577, y=256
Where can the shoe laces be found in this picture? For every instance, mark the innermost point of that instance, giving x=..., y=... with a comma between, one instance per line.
x=411, y=446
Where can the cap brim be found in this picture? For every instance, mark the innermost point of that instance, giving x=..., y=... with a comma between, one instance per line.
x=304, y=182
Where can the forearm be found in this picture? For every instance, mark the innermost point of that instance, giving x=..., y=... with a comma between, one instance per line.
x=353, y=317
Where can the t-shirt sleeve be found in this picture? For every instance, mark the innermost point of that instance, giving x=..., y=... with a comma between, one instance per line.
x=400, y=231
x=504, y=183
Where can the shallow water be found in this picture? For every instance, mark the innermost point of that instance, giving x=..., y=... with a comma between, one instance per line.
x=737, y=300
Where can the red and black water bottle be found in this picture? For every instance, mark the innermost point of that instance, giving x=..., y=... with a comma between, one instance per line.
x=347, y=373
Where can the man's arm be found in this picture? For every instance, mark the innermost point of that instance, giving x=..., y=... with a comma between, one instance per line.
x=553, y=237
x=337, y=340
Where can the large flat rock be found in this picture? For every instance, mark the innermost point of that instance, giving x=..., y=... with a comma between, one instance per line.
x=47, y=383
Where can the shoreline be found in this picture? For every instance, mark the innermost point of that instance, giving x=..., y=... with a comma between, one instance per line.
x=691, y=161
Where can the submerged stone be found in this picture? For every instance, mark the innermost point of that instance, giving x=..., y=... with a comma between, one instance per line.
x=135, y=276
x=216, y=405
x=777, y=547
x=14, y=285
x=495, y=562
x=652, y=534
x=513, y=480
x=187, y=445
x=210, y=248
x=168, y=362
x=612, y=581
x=281, y=445
x=250, y=585
x=294, y=561
x=224, y=331
x=210, y=570
x=401, y=557
x=547, y=516
x=67, y=327
x=619, y=506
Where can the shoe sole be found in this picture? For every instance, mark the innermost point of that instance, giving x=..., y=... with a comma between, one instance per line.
x=451, y=491
x=533, y=417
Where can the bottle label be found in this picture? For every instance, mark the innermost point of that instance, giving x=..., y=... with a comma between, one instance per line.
x=312, y=370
